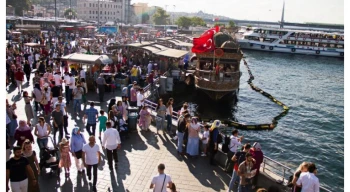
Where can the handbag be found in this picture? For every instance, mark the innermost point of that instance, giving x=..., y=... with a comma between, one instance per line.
x=44, y=100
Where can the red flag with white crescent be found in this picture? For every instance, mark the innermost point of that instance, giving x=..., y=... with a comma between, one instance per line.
x=204, y=43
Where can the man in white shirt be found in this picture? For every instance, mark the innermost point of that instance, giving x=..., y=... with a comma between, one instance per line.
x=82, y=74
x=149, y=67
x=235, y=142
x=161, y=181
x=58, y=80
x=111, y=142
x=140, y=98
x=71, y=87
x=308, y=181
x=91, y=157
x=66, y=80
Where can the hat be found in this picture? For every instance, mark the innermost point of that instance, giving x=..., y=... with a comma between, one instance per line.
x=64, y=141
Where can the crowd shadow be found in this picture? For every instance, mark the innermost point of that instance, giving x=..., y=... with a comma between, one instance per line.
x=82, y=183
x=67, y=185
x=150, y=138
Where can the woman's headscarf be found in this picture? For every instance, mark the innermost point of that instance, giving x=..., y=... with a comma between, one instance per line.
x=37, y=85
x=75, y=131
x=216, y=123
x=111, y=103
x=24, y=126
x=257, y=146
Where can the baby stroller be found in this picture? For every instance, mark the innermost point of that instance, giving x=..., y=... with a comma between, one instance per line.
x=50, y=158
x=123, y=129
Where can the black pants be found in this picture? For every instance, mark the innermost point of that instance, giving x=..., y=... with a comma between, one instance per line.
x=66, y=89
x=133, y=103
x=36, y=106
x=101, y=92
x=110, y=154
x=28, y=77
x=212, y=153
x=93, y=129
x=88, y=170
x=59, y=128
x=65, y=124
x=229, y=162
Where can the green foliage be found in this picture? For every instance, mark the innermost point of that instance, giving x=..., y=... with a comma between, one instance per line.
x=219, y=24
x=145, y=18
x=160, y=17
x=231, y=24
x=184, y=22
x=19, y=5
x=197, y=21
x=67, y=11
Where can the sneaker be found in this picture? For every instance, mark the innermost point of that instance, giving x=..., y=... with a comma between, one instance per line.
x=203, y=155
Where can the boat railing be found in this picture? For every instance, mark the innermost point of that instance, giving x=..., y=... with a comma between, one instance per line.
x=284, y=172
x=221, y=77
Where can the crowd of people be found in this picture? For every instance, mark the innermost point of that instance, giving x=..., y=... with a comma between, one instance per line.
x=50, y=111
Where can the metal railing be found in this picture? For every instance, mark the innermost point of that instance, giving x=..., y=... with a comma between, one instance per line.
x=281, y=170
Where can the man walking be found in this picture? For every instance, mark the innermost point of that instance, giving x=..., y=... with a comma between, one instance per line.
x=17, y=170
x=77, y=96
x=71, y=88
x=235, y=142
x=91, y=115
x=133, y=95
x=65, y=115
x=57, y=121
x=111, y=142
x=161, y=182
x=246, y=174
x=101, y=82
x=19, y=76
x=91, y=158
x=66, y=80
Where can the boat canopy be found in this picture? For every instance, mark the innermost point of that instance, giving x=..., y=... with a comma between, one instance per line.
x=88, y=59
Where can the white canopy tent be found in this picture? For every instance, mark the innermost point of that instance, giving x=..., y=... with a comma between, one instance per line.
x=88, y=59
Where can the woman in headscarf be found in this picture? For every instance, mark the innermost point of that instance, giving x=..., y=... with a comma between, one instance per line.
x=38, y=96
x=111, y=103
x=28, y=108
x=193, y=138
x=125, y=105
x=259, y=157
x=144, y=118
x=10, y=110
x=77, y=142
x=213, y=137
x=27, y=151
x=23, y=132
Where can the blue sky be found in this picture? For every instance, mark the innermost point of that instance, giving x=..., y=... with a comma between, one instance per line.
x=321, y=11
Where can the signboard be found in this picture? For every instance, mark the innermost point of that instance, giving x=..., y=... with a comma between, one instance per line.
x=108, y=30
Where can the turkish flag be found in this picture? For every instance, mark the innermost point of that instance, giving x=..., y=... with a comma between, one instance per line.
x=204, y=43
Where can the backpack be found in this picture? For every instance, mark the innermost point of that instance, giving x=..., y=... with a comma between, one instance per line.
x=225, y=146
x=219, y=138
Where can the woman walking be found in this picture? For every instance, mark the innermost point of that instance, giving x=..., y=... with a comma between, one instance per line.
x=42, y=130
x=27, y=151
x=37, y=94
x=27, y=70
x=161, y=112
x=169, y=113
x=259, y=157
x=46, y=100
x=28, y=108
x=76, y=144
x=65, y=161
x=10, y=110
x=193, y=138
x=125, y=105
x=120, y=109
x=23, y=132
x=145, y=118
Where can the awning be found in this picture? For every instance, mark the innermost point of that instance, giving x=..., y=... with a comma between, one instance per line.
x=174, y=53
x=89, y=27
x=34, y=45
x=88, y=59
x=87, y=39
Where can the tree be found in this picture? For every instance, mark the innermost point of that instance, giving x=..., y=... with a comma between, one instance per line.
x=160, y=17
x=19, y=5
x=231, y=24
x=144, y=18
x=197, y=21
x=184, y=22
x=70, y=13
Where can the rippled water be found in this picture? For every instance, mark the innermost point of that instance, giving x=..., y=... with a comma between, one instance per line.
x=313, y=130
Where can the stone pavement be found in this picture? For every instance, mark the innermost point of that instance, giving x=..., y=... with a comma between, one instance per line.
x=138, y=160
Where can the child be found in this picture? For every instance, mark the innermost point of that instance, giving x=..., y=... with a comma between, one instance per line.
x=102, y=119
x=65, y=161
x=205, y=140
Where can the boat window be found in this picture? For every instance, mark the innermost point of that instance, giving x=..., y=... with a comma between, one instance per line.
x=340, y=46
x=331, y=45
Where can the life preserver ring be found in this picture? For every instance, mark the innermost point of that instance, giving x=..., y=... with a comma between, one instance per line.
x=271, y=48
x=219, y=52
x=317, y=52
x=293, y=50
x=280, y=36
x=342, y=54
x=262, y=46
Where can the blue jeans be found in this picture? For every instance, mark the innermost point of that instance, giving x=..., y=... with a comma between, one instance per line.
x=234, y=178
x=68, y=95
x=42, y=142
x=245, y=188
x=180, y=140
x=169, y=122
x=77, y=103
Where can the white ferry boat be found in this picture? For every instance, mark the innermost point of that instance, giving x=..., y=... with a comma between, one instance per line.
x=293, y=41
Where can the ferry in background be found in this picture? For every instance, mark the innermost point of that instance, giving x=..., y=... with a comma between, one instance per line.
x=293, y=41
